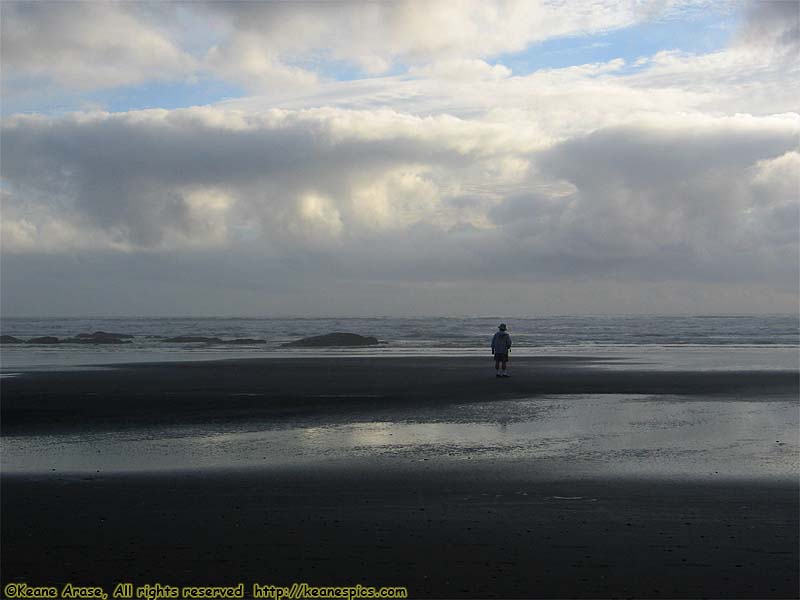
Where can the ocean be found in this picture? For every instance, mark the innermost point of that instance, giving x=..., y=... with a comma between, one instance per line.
x=733, y=342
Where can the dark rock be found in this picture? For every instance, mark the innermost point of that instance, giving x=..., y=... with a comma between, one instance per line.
x=244, y=341
x=9, y=339
x=103, y=334
x=186, y=339
x=48, y=339
x=101, y=337
x=333, y=339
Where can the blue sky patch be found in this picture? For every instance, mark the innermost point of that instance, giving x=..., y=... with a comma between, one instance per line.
x=697, y=34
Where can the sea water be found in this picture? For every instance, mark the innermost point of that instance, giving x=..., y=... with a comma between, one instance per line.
x=735, y=342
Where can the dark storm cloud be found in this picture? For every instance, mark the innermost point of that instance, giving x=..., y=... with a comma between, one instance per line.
x=772, y=23
x=282, y=203
x=125, y=170
x=652, y=202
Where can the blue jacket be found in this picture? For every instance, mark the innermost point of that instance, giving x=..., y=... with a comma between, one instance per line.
x=501, y=343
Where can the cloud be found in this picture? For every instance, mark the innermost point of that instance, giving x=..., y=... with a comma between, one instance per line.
x=390, y=196
x=757, y=72
x=463, y=69
x=685, y=198
x=146, y=178
x=269, y=45
x=773, y=26
x=378, y=35
x=86, y=45
x=250, y=61
x=676, y=176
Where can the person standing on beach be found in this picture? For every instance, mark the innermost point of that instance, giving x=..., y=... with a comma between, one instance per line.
x=501, y=346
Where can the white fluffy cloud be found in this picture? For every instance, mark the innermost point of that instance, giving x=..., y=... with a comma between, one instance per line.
x=280, y=45
x=86, y=45
x=269, y=45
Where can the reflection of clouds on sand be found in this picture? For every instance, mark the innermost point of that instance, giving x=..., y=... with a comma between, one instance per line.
x=611, y=434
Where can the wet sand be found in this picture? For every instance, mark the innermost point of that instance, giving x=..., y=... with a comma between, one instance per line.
x=487, y=528
x=335, y=389
x=470, y=535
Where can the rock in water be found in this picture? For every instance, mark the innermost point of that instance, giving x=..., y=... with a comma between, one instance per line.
x=48, y=339
x=244, y=341
x=333, y=339
x=101, y=337
x=188, y=339
x=104, y=334
x=9, y=339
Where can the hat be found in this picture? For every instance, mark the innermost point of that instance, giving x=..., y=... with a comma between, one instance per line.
x=502, y=326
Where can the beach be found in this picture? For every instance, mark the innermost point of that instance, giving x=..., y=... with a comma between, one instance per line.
x=258, y=260
x=576, y=477
x=337, y=388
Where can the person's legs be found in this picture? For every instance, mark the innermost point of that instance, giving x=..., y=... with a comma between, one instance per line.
x=504, y=368
x=497, y=366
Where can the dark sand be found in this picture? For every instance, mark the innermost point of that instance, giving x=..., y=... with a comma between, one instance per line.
x=471, y=531
x=446, y=537
x=333, y=388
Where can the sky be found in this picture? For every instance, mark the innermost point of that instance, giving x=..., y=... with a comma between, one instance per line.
x=446, y=157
